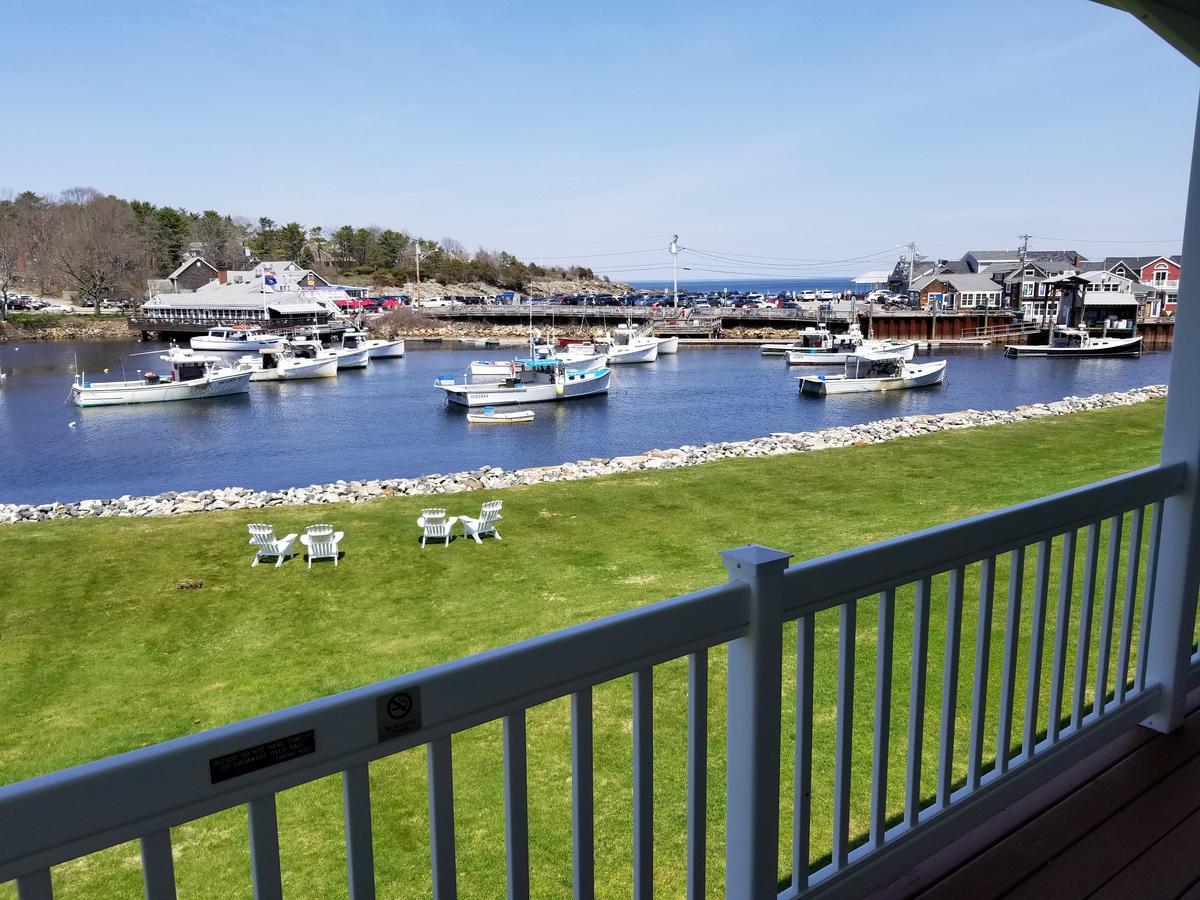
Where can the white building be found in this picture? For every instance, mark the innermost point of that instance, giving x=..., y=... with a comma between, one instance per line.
x=273, y=290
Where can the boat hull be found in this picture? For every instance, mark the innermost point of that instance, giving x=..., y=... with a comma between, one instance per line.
x=510, y=418
x=626, y=355
x=353, y=359
x=121, y=393
x=588, y=384
x=668, y=345
x=1099, y=347
x=925, y=375
x=293, y=370
x=380, y=349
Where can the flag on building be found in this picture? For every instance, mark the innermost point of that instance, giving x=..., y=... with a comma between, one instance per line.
x=269, y=277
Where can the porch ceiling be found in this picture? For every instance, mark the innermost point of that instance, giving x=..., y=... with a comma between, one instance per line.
x=1175, y=21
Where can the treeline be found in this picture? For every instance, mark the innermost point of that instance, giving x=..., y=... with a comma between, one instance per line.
x=396, y=257
x=100, y=246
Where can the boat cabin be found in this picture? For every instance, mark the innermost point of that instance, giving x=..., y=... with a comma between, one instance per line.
x=859, y=367
x=185, y=366
x=814, y=339
x=305, y=349
x=1065, y=338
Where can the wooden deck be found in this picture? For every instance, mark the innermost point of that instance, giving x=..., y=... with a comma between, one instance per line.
x=1125, y=822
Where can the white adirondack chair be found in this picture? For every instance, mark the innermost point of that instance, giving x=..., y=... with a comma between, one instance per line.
x=489, y=515
x=263, y=537
x=435, y=525
x=322, y=542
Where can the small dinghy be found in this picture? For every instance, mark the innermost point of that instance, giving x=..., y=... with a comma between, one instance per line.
x=489, y=416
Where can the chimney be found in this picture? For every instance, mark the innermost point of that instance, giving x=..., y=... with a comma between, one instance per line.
x=223, y=276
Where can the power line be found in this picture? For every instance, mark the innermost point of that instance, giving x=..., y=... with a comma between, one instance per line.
x=748, y=257
x=806, y=265
x=596, y=255
x=1040, y=237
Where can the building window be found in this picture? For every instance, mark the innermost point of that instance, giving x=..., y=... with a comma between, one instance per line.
x=1160, y=273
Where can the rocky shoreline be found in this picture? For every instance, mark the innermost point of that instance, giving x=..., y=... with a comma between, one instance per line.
x=175, y=503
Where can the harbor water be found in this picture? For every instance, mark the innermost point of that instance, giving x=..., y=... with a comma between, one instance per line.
x=390, y=421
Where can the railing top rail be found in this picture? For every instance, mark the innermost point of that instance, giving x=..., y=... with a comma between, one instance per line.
x=63, y=815
x=835, y=579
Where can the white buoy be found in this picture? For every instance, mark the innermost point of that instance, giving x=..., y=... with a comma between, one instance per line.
x=70, y=424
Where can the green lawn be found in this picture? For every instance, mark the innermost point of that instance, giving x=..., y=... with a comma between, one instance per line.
x=101, y=653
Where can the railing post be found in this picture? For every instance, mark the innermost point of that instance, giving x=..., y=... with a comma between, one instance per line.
x=1173, y=618
x=752, y=739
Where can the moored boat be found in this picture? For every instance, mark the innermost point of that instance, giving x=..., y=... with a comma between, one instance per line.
x=489, y=416
x=624, y=354
x=535, y=381
x=282, y=364
x=1077, y=343
x=193, y=377
x=377, y=348
x=872, y=372
x=836, y=356
x=235, y=338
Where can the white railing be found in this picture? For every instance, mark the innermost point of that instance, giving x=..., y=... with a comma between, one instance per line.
x=141, y=795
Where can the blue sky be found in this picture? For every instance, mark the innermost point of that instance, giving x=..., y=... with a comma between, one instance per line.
x=818, y=130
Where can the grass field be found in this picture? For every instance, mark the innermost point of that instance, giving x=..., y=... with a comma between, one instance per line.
x=101, y=653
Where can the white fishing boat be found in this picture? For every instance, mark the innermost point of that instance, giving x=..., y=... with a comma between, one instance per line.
x=489, y=416
x=1076, y=343
x=352, y=353
x=629, y=335
x=242, y=338
x=583, y=360
x=193, y=377
x=667, y=344
x=620, y=355
x=875, y=372
x=282, y=364
x=377, y=348
x=839, y=355
x=535, y=381
x=810, y=339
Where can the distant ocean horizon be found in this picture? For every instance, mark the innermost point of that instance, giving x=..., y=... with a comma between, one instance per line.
x=757, y=285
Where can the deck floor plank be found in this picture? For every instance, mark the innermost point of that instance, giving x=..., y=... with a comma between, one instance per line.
x=1116, y=842
x=1169, y=865
x=1121, y=803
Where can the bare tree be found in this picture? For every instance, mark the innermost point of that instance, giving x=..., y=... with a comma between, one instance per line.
x=454, y=248
x=13, y=250
x=100, y=250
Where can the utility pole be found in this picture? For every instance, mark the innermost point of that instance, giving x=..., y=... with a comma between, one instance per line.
x=912, y=259
x=419, y=256
x=1021, y=281
x=673, y=249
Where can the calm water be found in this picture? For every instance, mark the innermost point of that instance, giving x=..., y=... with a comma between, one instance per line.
x=390, y=421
